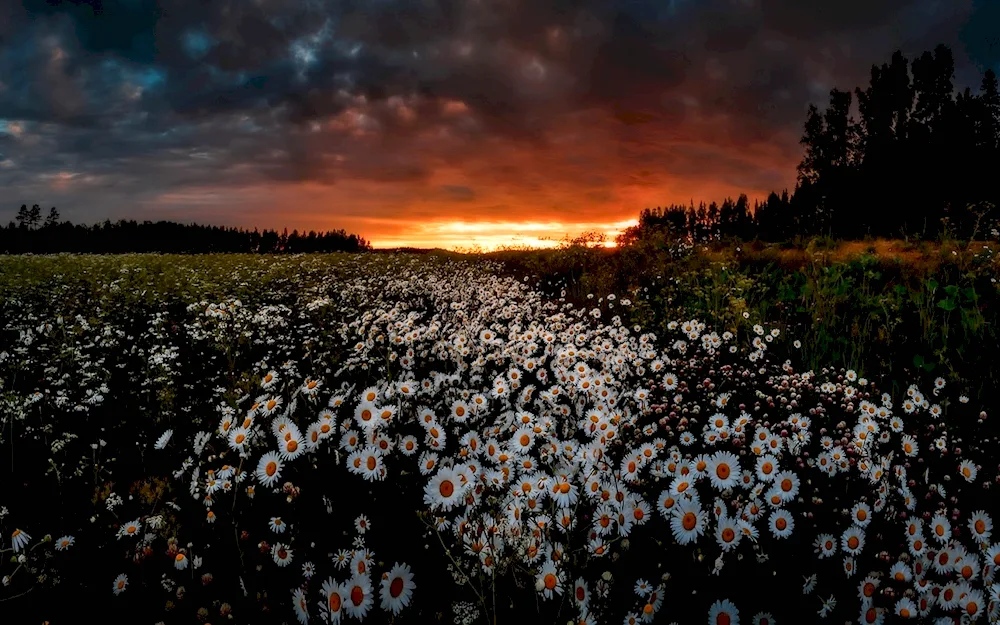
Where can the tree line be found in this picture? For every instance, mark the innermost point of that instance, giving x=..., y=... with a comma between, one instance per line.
x=915, y=163
x=29, y=232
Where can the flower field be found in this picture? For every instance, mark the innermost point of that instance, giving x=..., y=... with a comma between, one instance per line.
x=417, y=439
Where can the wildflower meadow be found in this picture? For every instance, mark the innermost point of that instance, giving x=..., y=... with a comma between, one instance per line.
x=400, y=438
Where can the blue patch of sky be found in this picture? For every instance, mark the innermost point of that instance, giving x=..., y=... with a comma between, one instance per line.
x=147, y=77
x=303, y=50
x=150, y=77
x=197, y=43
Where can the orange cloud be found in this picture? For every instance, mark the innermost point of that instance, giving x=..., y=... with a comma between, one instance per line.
x=589, y=173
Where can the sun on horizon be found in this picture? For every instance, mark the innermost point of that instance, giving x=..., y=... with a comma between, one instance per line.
x=488, y=236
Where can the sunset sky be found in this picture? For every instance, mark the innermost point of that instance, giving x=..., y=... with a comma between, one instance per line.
x=445, y=123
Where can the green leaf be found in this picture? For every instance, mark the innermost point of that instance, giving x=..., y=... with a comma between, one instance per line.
x=928, y=366
x=951, y=290
x=947, y=304
x=932, y=285
x=969, y=293
x=918, y=360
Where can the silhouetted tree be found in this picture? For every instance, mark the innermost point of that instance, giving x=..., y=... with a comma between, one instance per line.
x=52, y=219
x=916, y=159
x=987, y=131
x=34, y=216
x=837, y=178
x=22, y=217
x=988, y=122
x=814, y=161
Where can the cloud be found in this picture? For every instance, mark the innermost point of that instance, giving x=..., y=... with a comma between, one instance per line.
x=373, y=113
x=459, y=193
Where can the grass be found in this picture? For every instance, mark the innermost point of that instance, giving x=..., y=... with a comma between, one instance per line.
x=896, y=307
x=890, y=306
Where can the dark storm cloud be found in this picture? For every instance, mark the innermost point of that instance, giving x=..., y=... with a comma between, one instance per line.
x=147, y=99
x=808, y=20
x=459, y=193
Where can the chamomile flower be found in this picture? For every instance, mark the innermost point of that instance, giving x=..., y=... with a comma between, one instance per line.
x=972, y=604
x=161, y=442
x=766, y=468
x=282, y=554
x=549, y=580
x=948, y=595
x=370, y=465
x=642, y=587
x=867, y=589
x=300, y=605
x=724, y=470
x=396, y=588
x=132, y=529
x=366, y=416
x=269, y=380
x=238, y=438
x=900, y=572
x=408, y=445
x=445, y=489
x=459, y=411
x=981, y=526
x=688, y=521
x=19, y=539
x=871, y=615
x=291, y=446
x=723, y=612
x=905, y=608
x=581, y=594
x=427, y=463
x=861, y=514
x=940, y=528
x=269, y=469
x=968, y=470
x=311, y=387
x=271, y=406
x=522, y=440
x=781, y=523
x=64, y=543
x=335, y=598
x=727, y=533
x=786, y=485
x=852, y=541
x=358, y=599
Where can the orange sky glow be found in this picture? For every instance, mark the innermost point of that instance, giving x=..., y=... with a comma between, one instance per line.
x=588, y=173
x=485, y=125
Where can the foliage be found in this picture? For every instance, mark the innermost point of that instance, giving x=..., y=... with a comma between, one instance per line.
x=938, y=304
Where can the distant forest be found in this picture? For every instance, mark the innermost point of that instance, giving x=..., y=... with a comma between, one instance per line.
x=30, y=233
x=920, y=162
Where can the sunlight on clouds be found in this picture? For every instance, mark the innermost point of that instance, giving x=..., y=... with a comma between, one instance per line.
x=492, y=235
x=13, y=128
